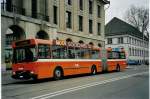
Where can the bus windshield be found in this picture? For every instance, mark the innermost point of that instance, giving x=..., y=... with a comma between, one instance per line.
x=24, y=54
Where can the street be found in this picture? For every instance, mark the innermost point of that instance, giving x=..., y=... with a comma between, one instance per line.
x=133, y=83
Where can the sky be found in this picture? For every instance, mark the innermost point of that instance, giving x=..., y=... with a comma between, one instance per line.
x=117, y=8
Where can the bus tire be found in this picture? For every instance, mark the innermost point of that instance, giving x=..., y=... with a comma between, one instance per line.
x=58, y=73
x=35, y=79
x=93, y=70
x=118, y=68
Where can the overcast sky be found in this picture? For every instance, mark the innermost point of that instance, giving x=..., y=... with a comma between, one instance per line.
x=118, y=8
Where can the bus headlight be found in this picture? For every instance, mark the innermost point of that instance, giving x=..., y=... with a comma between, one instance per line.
x=13, y=73
x=32, y=72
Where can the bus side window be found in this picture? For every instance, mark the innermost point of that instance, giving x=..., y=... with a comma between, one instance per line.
x=109, y=55
x=87, y=54
x=59, y=52
x=78, y=53
x=122, y=55
x=55, y=52
x=71, y=53
x=82, y=54
x=95, y=54
x=44, y=51
x=115, y=55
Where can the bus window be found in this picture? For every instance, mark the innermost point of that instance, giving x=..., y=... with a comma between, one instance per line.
x=95, y=54
x=109, y=55
x=71, y=52
x=122, y=55
x=82, y=52
x=113, y=55
x=87, y=54
x=59, y=52
x=24, y=54
x=43, y=51
x=78, y=53
x=19, y=55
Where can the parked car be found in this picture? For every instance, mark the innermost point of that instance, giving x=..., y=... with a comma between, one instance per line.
x=133, y=62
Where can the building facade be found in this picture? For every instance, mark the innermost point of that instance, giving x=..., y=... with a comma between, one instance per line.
x=120, y=34
x=72, y=20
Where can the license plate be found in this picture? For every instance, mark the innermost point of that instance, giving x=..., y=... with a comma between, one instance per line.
x=21, y=76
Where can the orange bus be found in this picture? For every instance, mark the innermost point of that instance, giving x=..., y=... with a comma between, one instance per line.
x=38, y=59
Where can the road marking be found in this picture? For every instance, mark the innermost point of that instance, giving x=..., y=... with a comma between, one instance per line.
x=53, y=94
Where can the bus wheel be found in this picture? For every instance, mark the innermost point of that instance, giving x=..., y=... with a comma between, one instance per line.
x=35, y=78
x=93, y=70
x=58, y=74
x=118, y=68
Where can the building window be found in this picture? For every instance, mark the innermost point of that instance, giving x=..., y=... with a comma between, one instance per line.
x=129, y=51
x=80, y=23
x=98, y=11
x=138, y=42
x=55, y=14
x=109, y=40
x=34, y=8
x=99, y=28
x=6, y=5
x=90, y=7
x=90, y=26
x=69, y=2
x=81, y=4
x=132, y=52
x=129, y=40
x=120, y=40
x=9, y=39
x=138, y=52
x=132, y=41
x=68, y=19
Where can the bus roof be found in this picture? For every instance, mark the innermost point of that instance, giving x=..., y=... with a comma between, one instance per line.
x=29, y=42
x=115, y=49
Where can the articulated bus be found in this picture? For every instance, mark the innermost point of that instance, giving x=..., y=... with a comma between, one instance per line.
x=38, y=59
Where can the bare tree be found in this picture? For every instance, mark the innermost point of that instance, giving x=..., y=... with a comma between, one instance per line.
x=138, y=17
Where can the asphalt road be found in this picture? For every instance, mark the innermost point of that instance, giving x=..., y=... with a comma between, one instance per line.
x=129, y=84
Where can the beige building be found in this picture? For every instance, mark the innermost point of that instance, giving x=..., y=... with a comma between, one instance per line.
x=75, y=20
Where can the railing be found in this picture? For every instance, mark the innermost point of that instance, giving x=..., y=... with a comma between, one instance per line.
x=22, y=11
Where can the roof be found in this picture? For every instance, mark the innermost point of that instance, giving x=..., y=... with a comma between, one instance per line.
x=118, y=27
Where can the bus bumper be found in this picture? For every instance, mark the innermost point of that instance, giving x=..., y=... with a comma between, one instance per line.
x=23, y=75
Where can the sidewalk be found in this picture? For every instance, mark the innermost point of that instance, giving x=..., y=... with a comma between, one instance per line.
x=136, y=66
x=7, y=72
